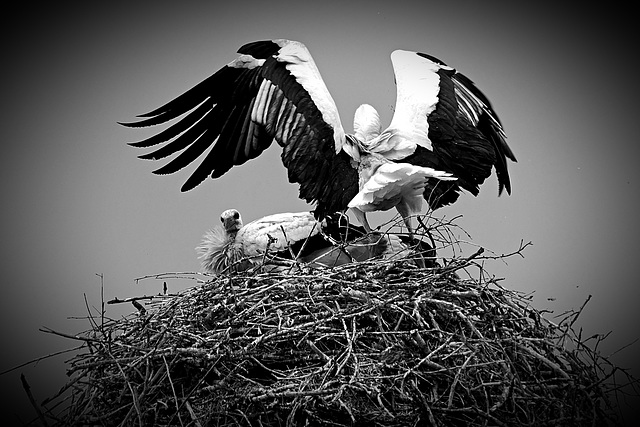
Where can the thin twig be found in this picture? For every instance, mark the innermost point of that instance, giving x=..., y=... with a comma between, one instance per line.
x=38, y=359
x=27, y=389
x=173, y=389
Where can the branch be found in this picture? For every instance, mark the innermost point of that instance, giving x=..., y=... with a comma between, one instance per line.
x=71, y=337
x=117, y=300
x=36, y=360
x=518, y=251
x=27, y=388
x=462, y=263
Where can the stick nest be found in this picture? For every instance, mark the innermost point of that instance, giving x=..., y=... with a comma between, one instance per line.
x=366, y=344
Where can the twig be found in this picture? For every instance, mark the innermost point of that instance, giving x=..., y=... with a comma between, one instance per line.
x=456, y=379
x=102, y=308
x=27, y=389
x=72, y=337
x=518, y=252
x=544, y=360
x=117, y=300
x=579, y=311
x=194, y=417
x=38, y=359
x=184, y=275
x=287, y=394
x=610, y=355
x=173, y=389
x=463, y=262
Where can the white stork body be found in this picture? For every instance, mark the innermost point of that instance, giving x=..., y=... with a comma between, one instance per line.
x=274, y=91
x=300, y=236
x=385, y=185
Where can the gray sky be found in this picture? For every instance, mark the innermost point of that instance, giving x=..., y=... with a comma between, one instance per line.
x=78, y=202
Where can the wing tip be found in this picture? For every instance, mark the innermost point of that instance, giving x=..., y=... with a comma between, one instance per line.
x=432, y=59
x=138, y=144
x=137, y=124
x=191, y=183
x=261, y=49
x=149, y=156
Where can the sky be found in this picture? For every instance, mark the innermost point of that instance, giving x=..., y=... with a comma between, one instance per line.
x=77, y=202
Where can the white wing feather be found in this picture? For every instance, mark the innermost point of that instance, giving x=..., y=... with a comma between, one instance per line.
x=417, y=91
x=301, y=65
x=392, y=182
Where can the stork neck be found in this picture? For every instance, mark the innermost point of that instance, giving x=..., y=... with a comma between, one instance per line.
x=368, y=166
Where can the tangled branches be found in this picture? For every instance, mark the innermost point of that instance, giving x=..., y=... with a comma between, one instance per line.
x=377, y=343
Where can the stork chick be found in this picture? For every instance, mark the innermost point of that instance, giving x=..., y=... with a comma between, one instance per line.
x=234, y=247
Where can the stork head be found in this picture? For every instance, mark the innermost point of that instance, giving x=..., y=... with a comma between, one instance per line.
x=366, y=123
x=231, y=220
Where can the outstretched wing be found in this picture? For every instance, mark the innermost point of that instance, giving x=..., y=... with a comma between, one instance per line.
x=273, y=90
x=443, y=121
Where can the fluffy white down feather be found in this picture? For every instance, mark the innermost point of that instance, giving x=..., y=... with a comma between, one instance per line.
x=219, y=252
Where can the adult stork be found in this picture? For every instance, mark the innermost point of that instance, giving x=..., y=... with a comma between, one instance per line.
x=299, y=236
x=443, y=128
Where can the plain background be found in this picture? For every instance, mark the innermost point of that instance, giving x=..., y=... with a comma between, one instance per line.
x=76, y=201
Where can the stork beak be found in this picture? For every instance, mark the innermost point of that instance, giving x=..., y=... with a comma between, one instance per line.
x=233, y=224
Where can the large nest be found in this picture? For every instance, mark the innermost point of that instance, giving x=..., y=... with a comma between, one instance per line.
x=366, y=344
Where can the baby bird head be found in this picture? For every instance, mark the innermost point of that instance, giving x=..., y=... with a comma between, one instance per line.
x=231, y=221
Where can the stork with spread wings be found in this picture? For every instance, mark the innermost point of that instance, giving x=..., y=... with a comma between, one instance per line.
x=444, y=135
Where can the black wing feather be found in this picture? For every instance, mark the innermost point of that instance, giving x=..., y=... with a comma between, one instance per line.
x=175, y=130
x=468, y=140
x=183, y=140
x=208, y=88
x=261, y=49
x=219, y=119
x=490, y=127
x=325, y=177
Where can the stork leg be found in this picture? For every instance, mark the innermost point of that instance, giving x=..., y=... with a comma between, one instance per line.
x=404, y=211
x=362, y=218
